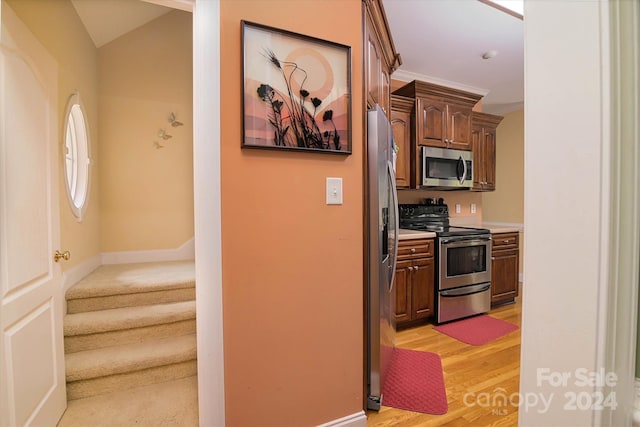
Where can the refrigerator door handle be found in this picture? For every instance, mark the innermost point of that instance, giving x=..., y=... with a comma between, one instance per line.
x=396, y=224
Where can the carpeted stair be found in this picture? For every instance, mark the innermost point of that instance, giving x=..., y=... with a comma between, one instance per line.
x=130, y=325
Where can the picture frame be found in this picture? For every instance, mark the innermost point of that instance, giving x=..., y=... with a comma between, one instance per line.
x=296, y=91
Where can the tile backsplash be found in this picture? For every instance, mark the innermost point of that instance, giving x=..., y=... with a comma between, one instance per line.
x=451, y=198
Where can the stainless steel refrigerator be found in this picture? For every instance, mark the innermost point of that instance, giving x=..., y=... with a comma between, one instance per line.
x=382, y=251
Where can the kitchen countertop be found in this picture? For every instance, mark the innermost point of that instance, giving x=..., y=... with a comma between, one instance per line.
x=413, y=234
x=502, y=228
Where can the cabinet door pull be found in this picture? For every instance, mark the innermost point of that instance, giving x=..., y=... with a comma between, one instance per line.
x=410, y=268
x=415, y=268
x=453, y=126
x=413, y=250
x=492, y=259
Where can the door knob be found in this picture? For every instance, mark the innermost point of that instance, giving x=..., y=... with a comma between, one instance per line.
x=61, y=255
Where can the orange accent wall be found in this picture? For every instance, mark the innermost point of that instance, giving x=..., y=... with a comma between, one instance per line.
x=292, y=266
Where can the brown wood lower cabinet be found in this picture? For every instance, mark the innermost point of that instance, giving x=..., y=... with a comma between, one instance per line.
x=504, y=267
x=415, y=275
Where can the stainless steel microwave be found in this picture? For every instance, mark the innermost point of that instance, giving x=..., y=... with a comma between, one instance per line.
x=447, y=169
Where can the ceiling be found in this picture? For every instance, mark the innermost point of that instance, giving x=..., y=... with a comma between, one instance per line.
x=106, y=20
x=442, y=41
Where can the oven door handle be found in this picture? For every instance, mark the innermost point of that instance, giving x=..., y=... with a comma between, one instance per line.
x=465, y=240
x=466, y=290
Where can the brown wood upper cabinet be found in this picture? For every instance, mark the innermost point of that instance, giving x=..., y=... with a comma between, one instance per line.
x=401, y=109
x=380, y=57
x=442, y=115
x=483, y=136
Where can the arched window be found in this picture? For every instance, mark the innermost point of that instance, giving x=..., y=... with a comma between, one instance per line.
x=76, y=157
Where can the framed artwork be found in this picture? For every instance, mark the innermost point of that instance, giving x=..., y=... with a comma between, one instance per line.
x=296, y=91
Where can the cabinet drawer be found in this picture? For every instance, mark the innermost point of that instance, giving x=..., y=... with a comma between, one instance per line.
x=415, y=248
x=504, y=241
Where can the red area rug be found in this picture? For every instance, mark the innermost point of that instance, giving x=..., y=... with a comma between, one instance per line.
x=414, y=382
x=477, y=330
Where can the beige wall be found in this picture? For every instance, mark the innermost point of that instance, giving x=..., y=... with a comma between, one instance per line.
x=506, y=203
x=146, y=192
x=140, y=197
x=58, y=27
x=292, y=266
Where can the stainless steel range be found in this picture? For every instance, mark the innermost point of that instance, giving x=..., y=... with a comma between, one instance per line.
x=463, y=260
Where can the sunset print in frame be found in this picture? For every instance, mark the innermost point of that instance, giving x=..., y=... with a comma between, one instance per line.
x=296, y=91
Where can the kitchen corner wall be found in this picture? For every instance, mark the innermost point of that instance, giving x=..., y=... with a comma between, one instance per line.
x=451, y=198
x=147, y=192
x=292, y=266
x=506, y=203
x=57, y=26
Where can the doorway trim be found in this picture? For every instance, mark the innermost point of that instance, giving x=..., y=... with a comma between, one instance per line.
x=206, y=195
x=208, y=240
x=621, y=296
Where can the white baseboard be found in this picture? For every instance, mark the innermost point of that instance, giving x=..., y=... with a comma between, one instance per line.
x=73, y=275
x=359, y=419
x=184, y=252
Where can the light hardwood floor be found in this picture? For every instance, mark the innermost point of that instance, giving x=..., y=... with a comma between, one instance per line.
x=477, y=372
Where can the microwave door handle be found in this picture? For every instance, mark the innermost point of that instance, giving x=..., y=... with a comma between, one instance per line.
x=466, y=170
x=424, y=166
x=461, y=174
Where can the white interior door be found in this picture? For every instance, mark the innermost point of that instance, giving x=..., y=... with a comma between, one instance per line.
x=32, y=385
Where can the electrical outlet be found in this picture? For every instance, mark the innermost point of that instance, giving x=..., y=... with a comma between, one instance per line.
x=473, y=208
x=458, y=208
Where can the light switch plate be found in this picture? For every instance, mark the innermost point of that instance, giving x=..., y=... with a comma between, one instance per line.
x=473, y=208
x=458, y=209
x=334, y=191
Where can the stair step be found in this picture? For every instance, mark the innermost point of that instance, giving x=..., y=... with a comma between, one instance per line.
x=171, y=403
x=129, y=285
x=129, y=357
x=102, y=385
x=99, y=371
x=104, y=328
